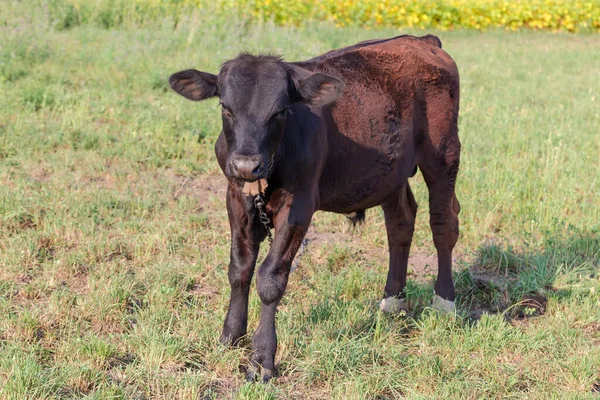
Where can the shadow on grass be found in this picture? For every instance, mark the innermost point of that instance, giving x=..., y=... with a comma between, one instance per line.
x=516, y=282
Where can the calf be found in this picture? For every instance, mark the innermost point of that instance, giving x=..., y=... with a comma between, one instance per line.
x=341, y=132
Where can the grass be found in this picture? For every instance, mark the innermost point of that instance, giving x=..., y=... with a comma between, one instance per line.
x=114, y=237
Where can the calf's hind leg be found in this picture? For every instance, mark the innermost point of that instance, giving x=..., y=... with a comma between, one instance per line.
x=440, y=176
x=400, y=212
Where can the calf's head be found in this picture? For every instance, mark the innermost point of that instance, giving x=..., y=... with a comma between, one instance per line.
x=255, y=93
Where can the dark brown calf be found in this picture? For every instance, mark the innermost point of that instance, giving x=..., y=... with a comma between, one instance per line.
x=342, y=132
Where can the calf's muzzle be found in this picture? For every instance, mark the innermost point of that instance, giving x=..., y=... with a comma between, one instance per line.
x=246, y=167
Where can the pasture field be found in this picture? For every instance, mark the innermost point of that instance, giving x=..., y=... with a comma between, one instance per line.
x=114, y=236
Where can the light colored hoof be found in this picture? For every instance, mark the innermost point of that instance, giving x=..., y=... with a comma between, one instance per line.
x=393, y=305
x=443, y=305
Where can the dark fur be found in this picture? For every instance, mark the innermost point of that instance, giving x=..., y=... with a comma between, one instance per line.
x=346, y=130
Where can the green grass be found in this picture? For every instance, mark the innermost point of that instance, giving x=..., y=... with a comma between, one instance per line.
x=114, y=237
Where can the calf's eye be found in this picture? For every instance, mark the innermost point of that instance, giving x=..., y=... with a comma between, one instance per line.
x=226, y=111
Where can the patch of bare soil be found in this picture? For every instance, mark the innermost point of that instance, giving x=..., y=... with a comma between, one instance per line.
x=202, y=187
x=422, y=266
x=200, y=291
x=40, y=174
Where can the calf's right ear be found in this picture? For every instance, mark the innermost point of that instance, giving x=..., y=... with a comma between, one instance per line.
x=194, y=85
x=320, y=89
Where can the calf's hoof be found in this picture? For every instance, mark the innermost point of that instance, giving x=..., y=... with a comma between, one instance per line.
x=229, y=338
x=443, y=305
x=226, y=340
x=252, y=374
x=393, y=305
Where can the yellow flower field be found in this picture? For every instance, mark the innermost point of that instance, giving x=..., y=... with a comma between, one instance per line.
x=553, y=15
x=564, y=15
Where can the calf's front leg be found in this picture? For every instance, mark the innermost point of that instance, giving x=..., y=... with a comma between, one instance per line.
x=291, y=224
x=246, y=235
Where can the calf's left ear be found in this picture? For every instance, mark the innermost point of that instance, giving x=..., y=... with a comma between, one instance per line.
x=319, y=89
x=194, y=85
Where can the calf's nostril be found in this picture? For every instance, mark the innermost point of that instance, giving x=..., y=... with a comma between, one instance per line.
x=257, y=169
x=233, y=166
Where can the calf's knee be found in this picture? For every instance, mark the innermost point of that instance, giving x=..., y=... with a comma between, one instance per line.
x=240, y=276
x=271, y=283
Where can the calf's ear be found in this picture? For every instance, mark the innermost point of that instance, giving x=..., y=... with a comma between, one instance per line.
x=194, y=85
x=319, y=89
